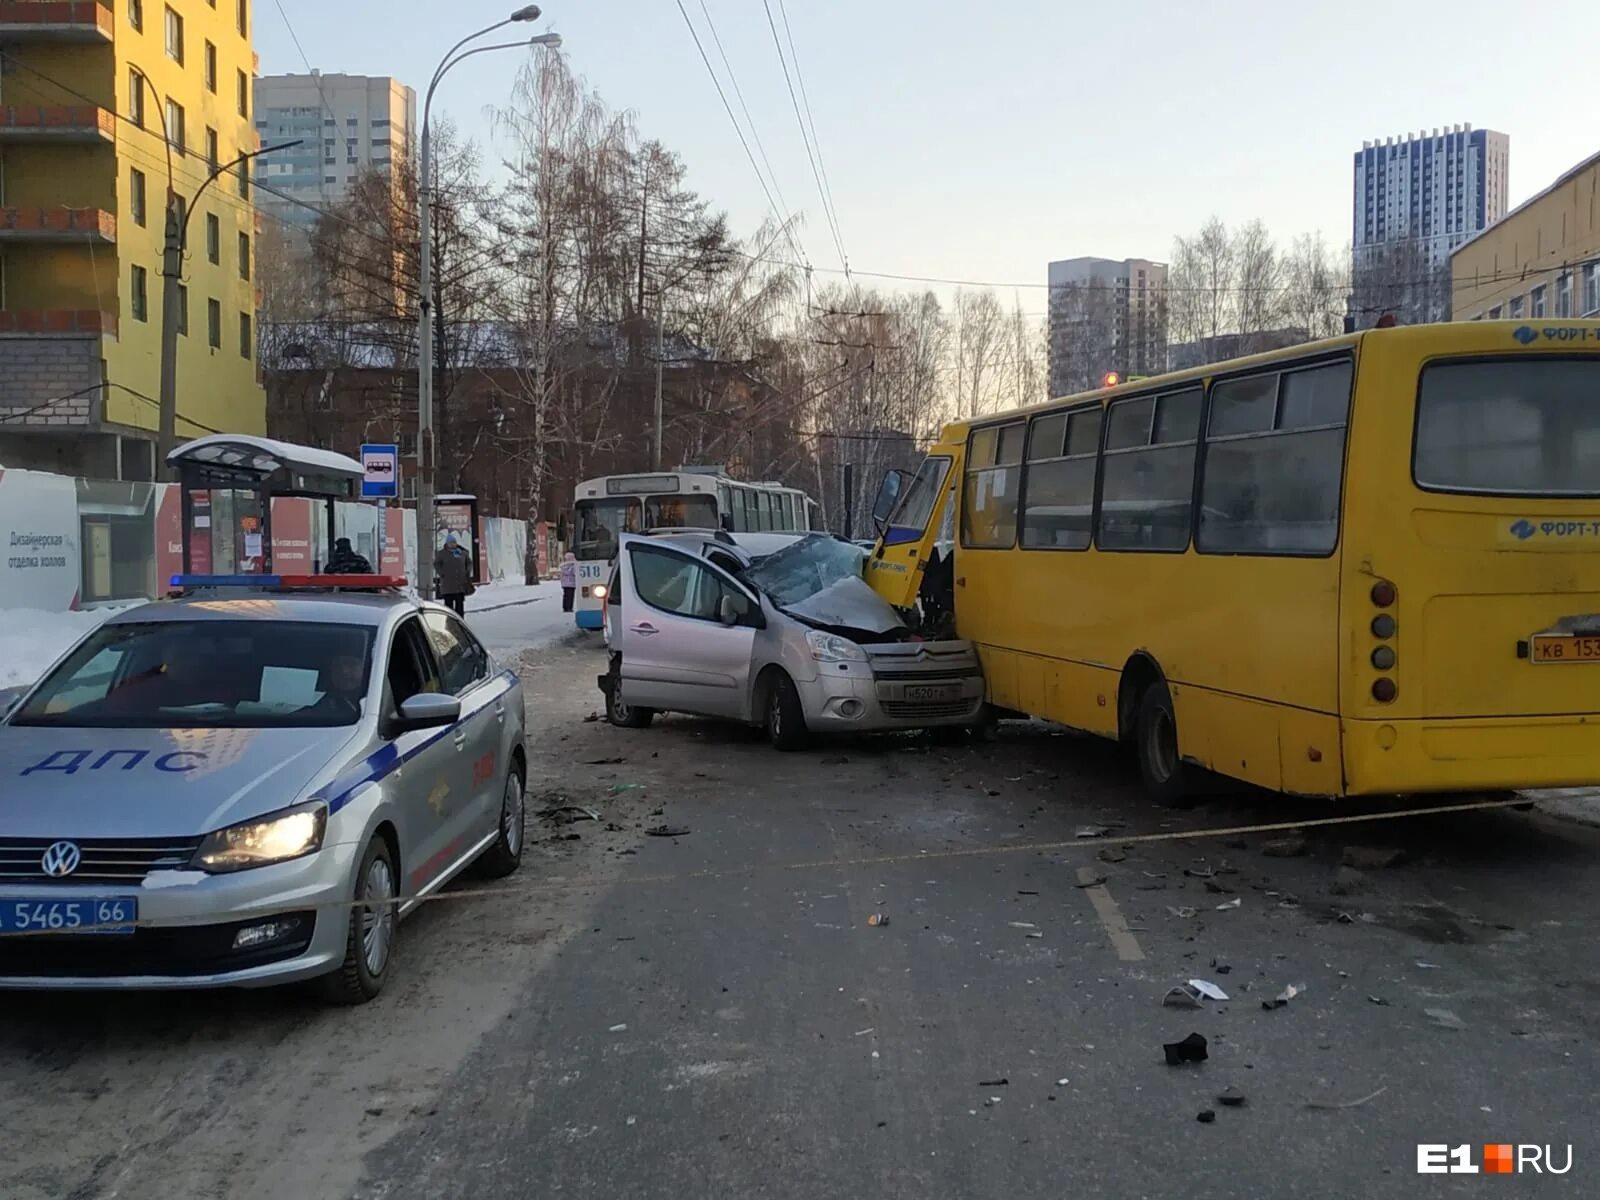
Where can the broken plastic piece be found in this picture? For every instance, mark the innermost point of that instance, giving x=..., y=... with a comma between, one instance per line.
x=1378, y=1000
x=1022, y=924
x=1231, y=1096
x=1112, y=854
x=1208, y=989
x=1092, y=831
x=1444, y=1018
x=1001, y=1082
x=1190, y=1049
x=666, y=831
x=1227, y=904
x=1205, y=1116
x=1180, y=997
x=878, y=919
x=1283, y=997
x=619, y=1029
x=1183, y=911
x=618, y=788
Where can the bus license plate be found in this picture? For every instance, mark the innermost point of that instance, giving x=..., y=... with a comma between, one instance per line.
x=1565, y=648
x=87, y=914
x=933, y=691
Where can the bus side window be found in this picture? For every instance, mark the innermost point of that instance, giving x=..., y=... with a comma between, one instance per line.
x=1147, y=482
x=1058, y=490
x=1271, y=484
x=989, y=499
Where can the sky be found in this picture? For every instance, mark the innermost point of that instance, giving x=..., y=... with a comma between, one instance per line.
x=979, y=142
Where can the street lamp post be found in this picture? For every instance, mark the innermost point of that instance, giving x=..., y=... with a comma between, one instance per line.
x=426, y=463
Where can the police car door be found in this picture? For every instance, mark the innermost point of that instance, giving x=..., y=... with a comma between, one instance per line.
x=433, y=781
x=464, y=673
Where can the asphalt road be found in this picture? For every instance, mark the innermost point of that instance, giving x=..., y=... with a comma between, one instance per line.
x=715, y=1014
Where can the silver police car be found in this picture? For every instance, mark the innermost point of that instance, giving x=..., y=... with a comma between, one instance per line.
x=251, y=787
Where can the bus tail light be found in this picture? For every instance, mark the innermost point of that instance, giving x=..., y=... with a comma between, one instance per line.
x=1383, y=593
x=1384, y=689
x=1383, y=657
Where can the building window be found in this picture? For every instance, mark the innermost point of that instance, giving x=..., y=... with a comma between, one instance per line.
x=1564, y=296
x=330, y=178
x=136, y=195
x=246, y=342
x=175, y=126
x=243, y=173
x=1591, y=289
x=183, y=310
x=244, y=256
x=1516, y=308
x=244, y=94
x=213, y=238
x=242, y=18
x=136, y=14
x=406, y=443
x=139, y=302
x=212, y=150
x=1536, y=301
x=214, y=324
x=136, y=97
x=211, y=68
x=174, y=37
x=1494, y=313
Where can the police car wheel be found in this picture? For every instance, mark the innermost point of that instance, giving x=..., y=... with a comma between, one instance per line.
x=505, y=856
x=370, y=933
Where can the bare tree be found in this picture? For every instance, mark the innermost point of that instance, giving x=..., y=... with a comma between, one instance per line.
x=1258, y=280
x=1316, y=285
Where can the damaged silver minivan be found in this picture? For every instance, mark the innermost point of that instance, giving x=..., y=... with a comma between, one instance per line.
x=778, y=631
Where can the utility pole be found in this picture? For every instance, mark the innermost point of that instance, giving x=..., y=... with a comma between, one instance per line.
x=661, y=341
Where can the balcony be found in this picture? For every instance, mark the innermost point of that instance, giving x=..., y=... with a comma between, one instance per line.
x=74, y=226
x=55, y=21
x=69, y=322
x=57, y=123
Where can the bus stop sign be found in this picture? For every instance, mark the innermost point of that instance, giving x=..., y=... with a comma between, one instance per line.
x=380, y=472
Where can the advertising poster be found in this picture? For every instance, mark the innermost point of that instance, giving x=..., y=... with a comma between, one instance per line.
x=169, y=536
x=39, y=532
x=292, y=550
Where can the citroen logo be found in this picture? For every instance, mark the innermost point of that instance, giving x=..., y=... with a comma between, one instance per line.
x=61, y=860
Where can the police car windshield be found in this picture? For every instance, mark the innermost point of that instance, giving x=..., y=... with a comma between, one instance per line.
x=216, y=674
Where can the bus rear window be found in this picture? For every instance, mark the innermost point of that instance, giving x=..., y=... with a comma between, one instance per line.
x=1528, y=427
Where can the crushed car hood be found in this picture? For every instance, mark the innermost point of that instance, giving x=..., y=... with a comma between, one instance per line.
x=61, y=782
x=847, y=605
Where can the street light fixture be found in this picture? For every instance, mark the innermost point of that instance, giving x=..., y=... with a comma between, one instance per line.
x=425, y=450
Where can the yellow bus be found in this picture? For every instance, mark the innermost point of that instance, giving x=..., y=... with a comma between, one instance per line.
x=1368, y=565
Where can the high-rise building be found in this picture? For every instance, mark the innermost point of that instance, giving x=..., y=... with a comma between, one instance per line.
x=106, y=108
x=347, y=125
x=1416, y=199
x=1105, y=315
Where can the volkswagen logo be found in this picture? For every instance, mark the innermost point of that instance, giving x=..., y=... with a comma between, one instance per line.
x=61, y=860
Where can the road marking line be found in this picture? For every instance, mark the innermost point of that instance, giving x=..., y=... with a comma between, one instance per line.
x=1122, y=939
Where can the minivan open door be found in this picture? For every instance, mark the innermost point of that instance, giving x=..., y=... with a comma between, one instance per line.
x=910, y=534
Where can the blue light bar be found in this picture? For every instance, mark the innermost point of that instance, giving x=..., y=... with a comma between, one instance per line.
x=250, y=581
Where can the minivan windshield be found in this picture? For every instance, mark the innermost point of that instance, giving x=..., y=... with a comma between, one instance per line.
x=805, y=568
x=216, y=674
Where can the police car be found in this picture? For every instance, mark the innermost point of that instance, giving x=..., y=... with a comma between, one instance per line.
x=251, y=785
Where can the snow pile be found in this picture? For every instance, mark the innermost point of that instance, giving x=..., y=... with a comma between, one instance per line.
x=511, y=617
x=30, y=640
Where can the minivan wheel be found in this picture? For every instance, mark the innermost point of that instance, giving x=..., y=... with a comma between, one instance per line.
x=1167, y=778
x=625, y=716
x=786, y=720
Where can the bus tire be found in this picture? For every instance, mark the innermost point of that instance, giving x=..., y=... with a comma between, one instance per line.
x=1167, y=778
x=624, y=716
x=785, y=718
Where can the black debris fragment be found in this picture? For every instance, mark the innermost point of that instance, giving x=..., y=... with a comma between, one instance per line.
x=1231, y=1096
x=1191, y=1049
x=1001, y=1082
x=670, y=831
x=1205, y=1116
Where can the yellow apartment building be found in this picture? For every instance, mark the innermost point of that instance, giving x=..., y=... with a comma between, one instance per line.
x=104, y=104
x=1539, y=262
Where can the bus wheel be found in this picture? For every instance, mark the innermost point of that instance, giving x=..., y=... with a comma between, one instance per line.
x=1167, y=778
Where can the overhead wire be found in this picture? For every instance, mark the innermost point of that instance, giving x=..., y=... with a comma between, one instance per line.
x=827, y=208
x=778, y=213
x=805, y=100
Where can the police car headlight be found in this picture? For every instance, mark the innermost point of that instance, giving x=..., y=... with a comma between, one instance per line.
x=830, y=647
x=293, y=833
